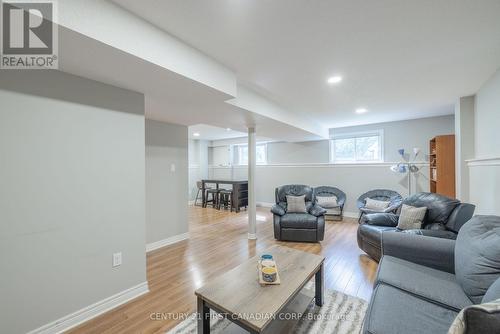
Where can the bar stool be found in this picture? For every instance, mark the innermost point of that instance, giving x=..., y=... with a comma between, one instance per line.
x=215, y=198
x=226, y=199
x=199, y=185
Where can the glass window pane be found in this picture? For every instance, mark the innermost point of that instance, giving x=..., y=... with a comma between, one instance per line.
x=261, y=154
x=344, y=149
x=367, y=148
x=243, y=155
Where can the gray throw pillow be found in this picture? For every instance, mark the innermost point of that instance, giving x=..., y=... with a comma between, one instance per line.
x=411, y=217
x=482, y=318
x=327, y=202
x=376, y=205
x=477, y=255
x=296, y=204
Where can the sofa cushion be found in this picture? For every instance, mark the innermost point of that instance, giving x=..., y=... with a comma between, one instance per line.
x=477, y=255
x=299, y=220
x=431, y=284
x=438, y=207
x=394, y=311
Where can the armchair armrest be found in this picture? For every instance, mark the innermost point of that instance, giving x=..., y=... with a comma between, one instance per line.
x=381, y=219
x=317, y=210
x=278, y=210
x=431, y=252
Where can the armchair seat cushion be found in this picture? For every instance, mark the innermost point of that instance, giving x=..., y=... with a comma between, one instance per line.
x=299, y=221
x=395, y=311
x=433, y=285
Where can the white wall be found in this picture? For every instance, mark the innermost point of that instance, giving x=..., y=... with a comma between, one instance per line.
x=166, y=180
x=464, y=144
x=71, y=194
x=485, y=167
x=198, y=164
x=406, y=134
x=307, y=162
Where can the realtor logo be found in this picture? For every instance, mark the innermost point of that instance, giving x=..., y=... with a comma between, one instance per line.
x=29, y=35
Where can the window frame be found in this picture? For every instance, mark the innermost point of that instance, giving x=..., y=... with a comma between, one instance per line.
x=236, y=157
x=354, y=135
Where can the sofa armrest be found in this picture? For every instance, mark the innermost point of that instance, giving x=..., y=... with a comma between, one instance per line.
x=431, y=252
x=317, y=210
x=381, y=219
x=278, y=210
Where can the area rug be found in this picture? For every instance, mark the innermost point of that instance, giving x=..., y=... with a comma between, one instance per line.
x=340, y=314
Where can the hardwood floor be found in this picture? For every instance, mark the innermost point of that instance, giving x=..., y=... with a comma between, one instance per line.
x=218, y=242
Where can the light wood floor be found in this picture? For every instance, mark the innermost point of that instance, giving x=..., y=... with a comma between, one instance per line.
x=218, y=242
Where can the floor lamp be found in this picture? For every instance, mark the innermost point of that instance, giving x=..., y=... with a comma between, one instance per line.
x=407, y=166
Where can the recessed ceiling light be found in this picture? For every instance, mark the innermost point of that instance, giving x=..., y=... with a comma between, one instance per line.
x=196, y=134
x=334, y=80
x=361, y=110
x=228, y=129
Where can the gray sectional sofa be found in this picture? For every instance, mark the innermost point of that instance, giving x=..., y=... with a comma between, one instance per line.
x=423, y=282
x=444, y=218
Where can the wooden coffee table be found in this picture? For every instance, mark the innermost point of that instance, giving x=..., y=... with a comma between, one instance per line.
x=238, y=295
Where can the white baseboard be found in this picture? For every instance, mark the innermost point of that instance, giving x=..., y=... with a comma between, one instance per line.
x=74, y=319
x=165, y=242
x=265, y=204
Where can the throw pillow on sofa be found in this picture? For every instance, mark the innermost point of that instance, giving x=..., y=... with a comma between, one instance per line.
x=411, y=217
x=327, y=202
x=483, y=318
x=296, y=204
x=376, y=205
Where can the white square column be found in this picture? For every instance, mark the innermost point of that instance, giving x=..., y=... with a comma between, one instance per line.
x=252, y=205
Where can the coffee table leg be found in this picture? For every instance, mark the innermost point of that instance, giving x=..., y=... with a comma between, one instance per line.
x=319, y=286
x=203, y=317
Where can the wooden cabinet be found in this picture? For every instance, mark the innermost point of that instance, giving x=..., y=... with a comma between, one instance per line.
x=442, y=165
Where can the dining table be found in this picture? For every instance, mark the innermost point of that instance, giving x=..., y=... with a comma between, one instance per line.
x=239, y=188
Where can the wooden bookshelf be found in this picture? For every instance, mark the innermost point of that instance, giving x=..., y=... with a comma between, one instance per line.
x=442, y=165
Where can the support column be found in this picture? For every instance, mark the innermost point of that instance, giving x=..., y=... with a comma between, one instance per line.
x=464, y=144
x=252, y=205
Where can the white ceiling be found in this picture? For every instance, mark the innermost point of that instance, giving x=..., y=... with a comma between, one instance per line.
x=169, y=97
x=209, y=132
x=399, y=59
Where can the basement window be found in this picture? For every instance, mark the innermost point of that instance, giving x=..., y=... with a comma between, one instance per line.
x=360, y=147
x=241, y=154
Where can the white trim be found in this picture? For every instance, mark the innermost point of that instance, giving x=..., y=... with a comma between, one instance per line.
x=490, y=161
x=165, y=242
x=325, y=165
x=74, y=319
x=265, y=204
